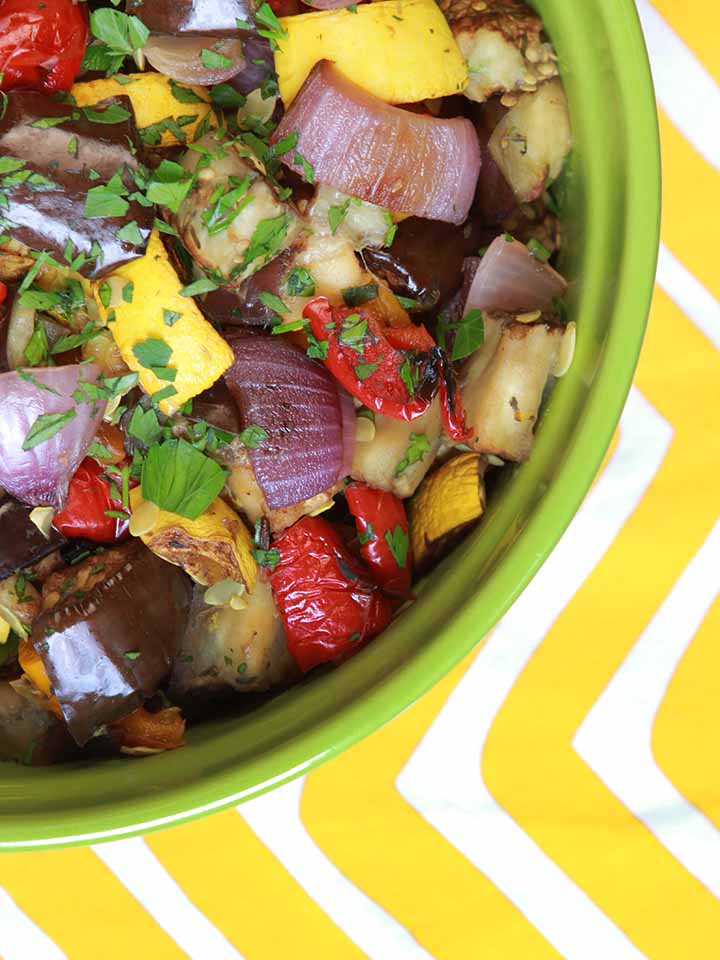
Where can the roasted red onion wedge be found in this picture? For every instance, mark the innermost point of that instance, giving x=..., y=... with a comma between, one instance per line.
x=44, y=431
x=182, y=59
x=307, y=417
x=363, y=147
x=510, y=278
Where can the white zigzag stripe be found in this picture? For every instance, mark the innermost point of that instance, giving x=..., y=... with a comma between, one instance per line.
x=275, y=818
x=139, y=870
x=685, y=89
x=615, y=739
x=20, y=938
x=446, y=786
x=697, y=303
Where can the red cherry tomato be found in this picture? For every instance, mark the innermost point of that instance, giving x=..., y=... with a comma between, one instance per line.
x=42, y=43
x=85, y=512
x=382, y=528
x=328, y=603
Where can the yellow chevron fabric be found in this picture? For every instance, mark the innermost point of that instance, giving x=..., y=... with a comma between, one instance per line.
x=558, y=794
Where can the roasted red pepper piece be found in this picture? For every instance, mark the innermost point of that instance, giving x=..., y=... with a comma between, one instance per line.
x=379, y=364
x=84, y=514
x=387, y=380
x=328, y=602
x=3, y=292
x=41, y=44
x=383, y=533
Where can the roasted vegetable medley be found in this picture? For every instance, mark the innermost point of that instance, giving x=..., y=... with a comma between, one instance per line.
x=276, y=300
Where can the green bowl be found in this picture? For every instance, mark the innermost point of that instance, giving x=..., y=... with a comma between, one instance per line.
x=614, y=202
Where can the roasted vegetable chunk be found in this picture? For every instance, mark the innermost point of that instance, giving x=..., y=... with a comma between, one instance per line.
x=530, y=143
x=503, y=385
x=236, y=649
x=29, y=733
x=399, y=50
x=107, y=647
x=502, y=43
x=448, y=502
x=215, y=547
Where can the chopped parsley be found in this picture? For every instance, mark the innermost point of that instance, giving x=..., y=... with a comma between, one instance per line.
x=398, y=543
x=181, y=479
x=253, y=435
x=46, y=426
x=336, y=215
x=356, y=296
x=300, y=283
x=418, y=446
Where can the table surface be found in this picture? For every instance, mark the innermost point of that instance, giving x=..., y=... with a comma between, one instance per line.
x=556, y=795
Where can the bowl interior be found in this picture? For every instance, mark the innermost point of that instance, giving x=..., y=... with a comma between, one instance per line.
x=613, y=219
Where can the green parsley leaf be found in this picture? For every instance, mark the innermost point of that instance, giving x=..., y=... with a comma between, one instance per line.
x=144, y=426
x=38, y=300
x=44, y=123
x=539, y=250
x=253, y=436
x=170, y=317
x=418, y=446
x=267, y=558
x=29, y=378
x=212, y=60
x=336, y=215
x=169, y=184
x=73, y=340
x=107, y=200
x=130, y=233
x=407, y=302
x=164, y=394
x=46, y=426
x=203, y=285
x=266, y=239
x=391, y=230
x=36, y=350
x=365, y=370
x=120, y=32
x=469, y=334
x=116, y=386
x=398, y=543
x=352, y=331
x=367, y=535
x=181, y=479
x=152, y=353
x=131, y=654
x=113, y=113
x=356, y=296
x=273, y=302
x=226, y=97
x=99, y=451
x=317, y=349
x=308, y=170
x=300, y=283
x=184, y=94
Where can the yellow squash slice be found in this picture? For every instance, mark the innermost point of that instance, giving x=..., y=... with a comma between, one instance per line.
x=215, y=547
x=447, y=503
x=155, y=98
x=158, y=312
x=402, y=51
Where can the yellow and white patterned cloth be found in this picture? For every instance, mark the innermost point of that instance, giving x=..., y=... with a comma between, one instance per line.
x=558, y=795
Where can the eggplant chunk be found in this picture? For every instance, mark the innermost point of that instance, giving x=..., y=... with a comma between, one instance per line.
x=362, y=225
x=107, y=638
x=29, y=733
x=47, y=201
x=503, y=384
x=502, y=43
x=530, y=143
x=241, y=650
x=399, y=454
x=193, y=18
x=21, y=543
x=228, y=181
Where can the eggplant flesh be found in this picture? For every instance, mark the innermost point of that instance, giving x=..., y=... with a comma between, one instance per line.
x=106, y=649
x=21, y=543
x=46, y=210
x=29, y=733
x=193, y=18
x=244, y=651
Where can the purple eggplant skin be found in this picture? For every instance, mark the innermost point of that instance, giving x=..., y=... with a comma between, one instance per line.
x=107, y=650
x=241, y=306
x=46, y=210
x=259, y=64
x=217, y=408
x=21, y=543
x=425, y=261
x=193, y=18
x=5, y=311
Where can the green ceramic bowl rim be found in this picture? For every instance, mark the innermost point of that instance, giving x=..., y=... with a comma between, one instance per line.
x=377, y=705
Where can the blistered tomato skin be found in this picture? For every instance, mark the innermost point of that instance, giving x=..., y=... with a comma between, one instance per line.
x=42, y=43
x=329, y=605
